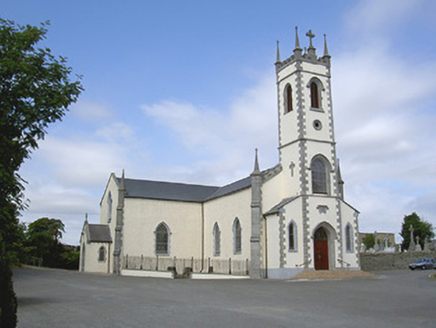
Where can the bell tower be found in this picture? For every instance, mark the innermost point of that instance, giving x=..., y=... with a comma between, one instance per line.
x=306, y=131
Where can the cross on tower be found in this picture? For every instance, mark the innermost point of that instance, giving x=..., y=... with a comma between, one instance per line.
x=311, y=36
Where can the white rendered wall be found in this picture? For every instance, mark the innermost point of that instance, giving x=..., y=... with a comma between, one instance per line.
x=224, y=210
x=349, y=216
x=92, y=264
x=142, y=216
x=112, y=187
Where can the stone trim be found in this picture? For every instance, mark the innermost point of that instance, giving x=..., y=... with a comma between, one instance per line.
x=339, y=230
x=304, y=58
x=306, y=139
x=282, y=240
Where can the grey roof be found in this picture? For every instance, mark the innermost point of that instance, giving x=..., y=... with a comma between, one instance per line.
x=179, y=191
x=167, y=190
x=276, y=209
x=99, y=233
x=231, y=188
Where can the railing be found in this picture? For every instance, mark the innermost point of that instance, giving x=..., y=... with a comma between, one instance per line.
x=303, y=264
x=342, y=262
x=183, y=265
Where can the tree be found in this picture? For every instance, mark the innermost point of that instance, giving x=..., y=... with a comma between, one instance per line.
x=43, y=240
x=421, y=229
x=369, y=241
x=35, y=90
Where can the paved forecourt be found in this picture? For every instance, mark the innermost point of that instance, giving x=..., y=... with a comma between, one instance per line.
x=56, y=298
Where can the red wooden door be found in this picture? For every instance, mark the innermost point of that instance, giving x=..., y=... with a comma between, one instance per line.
x=321, y=250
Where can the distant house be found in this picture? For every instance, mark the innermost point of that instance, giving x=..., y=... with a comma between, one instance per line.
x=273, y=223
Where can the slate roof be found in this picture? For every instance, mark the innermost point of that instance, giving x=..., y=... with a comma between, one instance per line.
x=99, y=233
x=276, y=209
x=179, y=191
x=231, y=188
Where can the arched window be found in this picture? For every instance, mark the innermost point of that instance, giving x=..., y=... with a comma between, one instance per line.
x=109, y=207
x=292, y=236
x=314, y=95
x=237, y=241
x=319, y=176
x=162, y=239
x=348, y=238
x=216, y=240
x=102, y=254
x=288, y=99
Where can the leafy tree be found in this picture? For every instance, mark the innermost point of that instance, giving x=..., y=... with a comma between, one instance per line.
x=35, y=90
x=369, y=241
x=43, y=238
x=422, y=229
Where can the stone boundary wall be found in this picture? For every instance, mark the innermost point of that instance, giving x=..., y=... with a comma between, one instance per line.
x=391, y=261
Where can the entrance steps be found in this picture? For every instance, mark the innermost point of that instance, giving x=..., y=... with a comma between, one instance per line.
x=332, y=275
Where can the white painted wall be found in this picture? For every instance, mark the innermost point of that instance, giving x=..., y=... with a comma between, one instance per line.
x=224, y=210
x=142, y=216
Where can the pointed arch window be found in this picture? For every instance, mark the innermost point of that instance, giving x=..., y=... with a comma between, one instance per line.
x=216, y=240
x=102, y=254
x=319, y=176
x=292, y=236
x=288, y=99
x=348, y=238
x=109, y=207
x=237, y=234
x=162, y=239
x=314, y=95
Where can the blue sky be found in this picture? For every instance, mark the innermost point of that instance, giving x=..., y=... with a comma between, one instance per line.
x=185, y=90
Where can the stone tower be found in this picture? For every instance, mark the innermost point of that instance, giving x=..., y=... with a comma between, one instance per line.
x=306, y=135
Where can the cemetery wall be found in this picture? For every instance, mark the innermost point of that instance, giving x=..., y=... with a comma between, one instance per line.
x=391, y=261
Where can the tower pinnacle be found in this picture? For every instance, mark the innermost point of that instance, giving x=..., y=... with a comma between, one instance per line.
x=278, y=53
x=326, y=51
x=256, y=164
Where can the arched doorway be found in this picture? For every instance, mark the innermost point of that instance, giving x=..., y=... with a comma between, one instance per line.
x=321, y=247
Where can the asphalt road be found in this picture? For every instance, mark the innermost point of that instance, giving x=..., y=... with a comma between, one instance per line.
x=55, y=298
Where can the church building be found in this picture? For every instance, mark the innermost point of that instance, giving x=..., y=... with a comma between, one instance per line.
x=274, y=223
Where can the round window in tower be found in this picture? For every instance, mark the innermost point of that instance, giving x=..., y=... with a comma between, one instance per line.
x=317, y=125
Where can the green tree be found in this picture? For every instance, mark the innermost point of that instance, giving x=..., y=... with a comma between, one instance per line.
x=35, y=90
x=369, y=241
x=422, y=229
x=43, y=240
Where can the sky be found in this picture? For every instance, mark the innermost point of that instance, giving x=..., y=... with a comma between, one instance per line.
x=184, y=91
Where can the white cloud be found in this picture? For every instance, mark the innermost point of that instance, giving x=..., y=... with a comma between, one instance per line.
x=91, y=111
x=383, y=123
x=228, y=137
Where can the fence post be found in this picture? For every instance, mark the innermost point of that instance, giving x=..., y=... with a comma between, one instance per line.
x=157, y=262
x=142, y=261
x=246, y=267
x=192, y=264
x=230, y=265
x=127, y=261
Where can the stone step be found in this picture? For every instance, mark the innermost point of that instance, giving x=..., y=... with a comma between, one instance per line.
x=332, y=274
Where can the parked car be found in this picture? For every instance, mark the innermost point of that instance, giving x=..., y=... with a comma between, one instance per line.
x=423, y=264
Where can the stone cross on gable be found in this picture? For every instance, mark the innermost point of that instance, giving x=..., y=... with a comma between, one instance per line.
x=311, y=36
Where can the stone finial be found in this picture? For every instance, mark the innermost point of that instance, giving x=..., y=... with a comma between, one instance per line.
x=298, y=52
x=297, y=40
x=278, y=53
x=326, y=51
x=122, y=186
x=256, y=163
